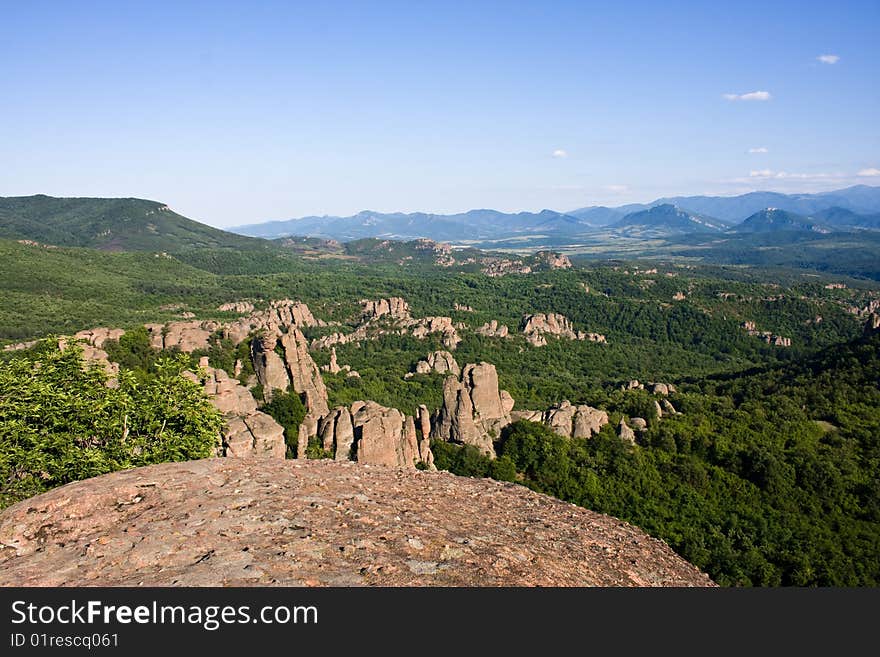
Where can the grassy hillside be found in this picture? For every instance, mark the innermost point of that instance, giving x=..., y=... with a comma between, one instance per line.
x=120, y=224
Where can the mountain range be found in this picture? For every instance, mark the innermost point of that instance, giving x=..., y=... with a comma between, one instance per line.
x=850, y=208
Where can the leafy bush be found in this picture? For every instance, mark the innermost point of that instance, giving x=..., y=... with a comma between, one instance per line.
x=60, y=422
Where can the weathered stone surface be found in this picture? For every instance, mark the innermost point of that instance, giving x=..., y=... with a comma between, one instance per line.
x=269, y=367
x=373, y=434
x=98, y=336
x=537, y=327
x=333, y=367
x=667, y=407
x=473, y=412
x=186, y=336
x=639, y=424
x=572, y=421
x=280, y=317
x=305, y=377
x=626, y=434
x=394, y=307
x=494, y=267
x=872, y=324
x=493, y=330
x=553, y=259
x=258, y=522
x=658, y=388
x=237, y=307
x=92, y=353
x=247, y=432
x=437, y=361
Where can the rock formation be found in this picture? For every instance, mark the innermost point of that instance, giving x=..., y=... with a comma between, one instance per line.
x=247, y=432
x=335, y=368
x=186, y=336
x=872, y=324
x=423, y=327
x=661, y=388
x=553, y=260
x=296, y=369
x=626, y=434
x=536, y=327
x=262, y=522
x=278, y=318
x=91, y=343
x=494, y=267
x=98, y=336
x=268, y=365
x=370, y=433
x=568, y=420
x=436, y=361
x=394, y=307
x=493, y=330
x=305, y=377
x=639, y=424
x=474, y=410
x=237, y=307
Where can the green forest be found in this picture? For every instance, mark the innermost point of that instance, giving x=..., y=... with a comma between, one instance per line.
x=767, y=477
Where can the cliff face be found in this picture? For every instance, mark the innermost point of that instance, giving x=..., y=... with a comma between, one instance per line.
x=239, y=522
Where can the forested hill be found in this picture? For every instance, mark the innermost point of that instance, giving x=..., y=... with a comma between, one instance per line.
x=112, y=224
x=765, y=478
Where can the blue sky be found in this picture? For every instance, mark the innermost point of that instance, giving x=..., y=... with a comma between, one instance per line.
x=234, y=113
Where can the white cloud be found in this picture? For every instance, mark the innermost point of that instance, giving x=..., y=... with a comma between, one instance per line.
x=869, y=172
x=786, y=175
x=752, y=95
x=760, y=149
x=828, y=59
x=617, y=189
x=559, y=153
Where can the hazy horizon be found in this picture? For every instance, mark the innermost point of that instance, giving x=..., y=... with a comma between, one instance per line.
x=244, y=114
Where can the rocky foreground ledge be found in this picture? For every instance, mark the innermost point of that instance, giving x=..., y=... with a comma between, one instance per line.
x=259, y=522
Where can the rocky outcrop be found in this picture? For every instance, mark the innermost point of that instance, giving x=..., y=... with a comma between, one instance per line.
x=767, y=336
x=474, y=410
x=872, y=324
x=625, y=433
x=495, y=267
x=185, y=336
x=639, y=424
x=335, y=368
x=373, y=434
x=295, y=369
x=237, y=307
x=262, y=522
x=392, y=317
x=91, y=342
x=553, y=260
x=567, y=419
x=424, y=327
x=536, y=327
x=493, y=330
x=280, y=317
x=462, y=308
x=437, y=361
x=98, y=336
x=268, y=365
x=393, y=307
x=247, y=432
x=572, y=421
x=305, y=377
